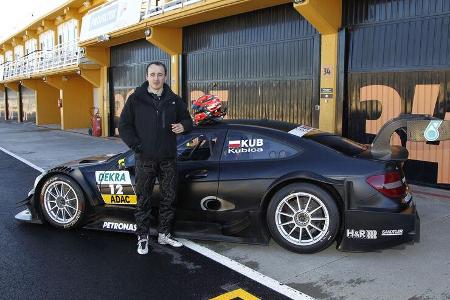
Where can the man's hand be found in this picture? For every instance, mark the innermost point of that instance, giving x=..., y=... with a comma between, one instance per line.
x=177, y=128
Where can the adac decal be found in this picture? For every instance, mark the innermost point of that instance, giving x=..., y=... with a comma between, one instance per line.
x=245, y=146
x=119, y=226
x=361, y=234
x=119, y=199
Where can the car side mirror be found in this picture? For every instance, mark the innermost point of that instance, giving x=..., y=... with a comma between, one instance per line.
x=126, y=163
x=121, y=164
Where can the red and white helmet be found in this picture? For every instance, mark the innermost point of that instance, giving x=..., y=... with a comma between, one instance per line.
x=208, y=108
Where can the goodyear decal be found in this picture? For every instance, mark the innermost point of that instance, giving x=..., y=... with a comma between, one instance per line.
x=119, y=199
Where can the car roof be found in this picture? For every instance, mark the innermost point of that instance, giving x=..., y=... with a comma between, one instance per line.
x=265, y=123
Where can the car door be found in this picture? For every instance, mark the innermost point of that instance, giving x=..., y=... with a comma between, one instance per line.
x=250, y=162
x=198, y=172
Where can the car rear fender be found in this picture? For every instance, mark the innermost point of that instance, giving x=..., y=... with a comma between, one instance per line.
x=334, y=187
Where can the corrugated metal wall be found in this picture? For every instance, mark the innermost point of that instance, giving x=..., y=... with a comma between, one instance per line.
x=12, y=99
x=399, y=62
x=128, y=70
x=28, y=105
x=2, y=105
x=264, y=64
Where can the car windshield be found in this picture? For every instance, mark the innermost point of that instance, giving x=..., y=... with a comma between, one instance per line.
x=338, y=143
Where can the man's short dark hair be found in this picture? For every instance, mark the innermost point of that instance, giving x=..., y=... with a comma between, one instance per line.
x=158, y=63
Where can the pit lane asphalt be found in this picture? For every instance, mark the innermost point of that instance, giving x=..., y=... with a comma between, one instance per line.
x=38, y=261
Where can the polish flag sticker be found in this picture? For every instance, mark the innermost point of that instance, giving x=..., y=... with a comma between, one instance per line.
x=234, y=144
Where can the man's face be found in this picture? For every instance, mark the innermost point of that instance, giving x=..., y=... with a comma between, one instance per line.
x=156, y=77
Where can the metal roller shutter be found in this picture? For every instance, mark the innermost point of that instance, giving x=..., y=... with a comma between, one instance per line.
x=399, y=62
x=264, y=64
x=127, y=71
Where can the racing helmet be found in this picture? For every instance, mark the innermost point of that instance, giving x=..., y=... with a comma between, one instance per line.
x=207, y=109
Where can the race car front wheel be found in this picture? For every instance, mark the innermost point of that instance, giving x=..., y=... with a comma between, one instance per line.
x=303, y=218
x=62, y=202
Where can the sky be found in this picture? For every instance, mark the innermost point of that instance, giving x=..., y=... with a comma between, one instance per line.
x=17, y=14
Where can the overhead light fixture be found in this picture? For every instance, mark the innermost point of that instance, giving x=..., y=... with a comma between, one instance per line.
x=103, y=38
x=299, y=1
x=147, y=32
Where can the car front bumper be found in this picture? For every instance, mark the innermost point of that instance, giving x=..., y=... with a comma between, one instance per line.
x=28, y=215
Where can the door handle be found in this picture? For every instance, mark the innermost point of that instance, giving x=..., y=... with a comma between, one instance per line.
x=197, y=174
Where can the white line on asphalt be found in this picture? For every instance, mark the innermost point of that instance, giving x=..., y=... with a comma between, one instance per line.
x=227, y=262
x=246, y=271
x=22, y=160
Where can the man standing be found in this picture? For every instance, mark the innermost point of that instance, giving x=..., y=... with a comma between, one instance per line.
x=152, y=117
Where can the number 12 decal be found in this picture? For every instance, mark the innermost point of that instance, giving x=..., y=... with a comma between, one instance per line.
x=118, y=188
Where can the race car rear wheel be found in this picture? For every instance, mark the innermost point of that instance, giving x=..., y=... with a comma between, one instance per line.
x=62, y=202
x=303, y=218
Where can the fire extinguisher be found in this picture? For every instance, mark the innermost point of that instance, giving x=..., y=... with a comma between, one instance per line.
x=96, y=123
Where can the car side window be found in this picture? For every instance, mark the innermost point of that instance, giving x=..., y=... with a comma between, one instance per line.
x=242, y=145
x=196, y=147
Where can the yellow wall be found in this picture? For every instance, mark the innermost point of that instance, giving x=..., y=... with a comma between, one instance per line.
x=328, y=80
x=47, y=111
x=77, y=98
x=325, y=16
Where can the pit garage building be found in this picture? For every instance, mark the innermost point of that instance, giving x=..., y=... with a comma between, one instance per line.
x=344, y=66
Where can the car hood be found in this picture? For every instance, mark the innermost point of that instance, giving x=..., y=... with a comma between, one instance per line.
x=89, y=160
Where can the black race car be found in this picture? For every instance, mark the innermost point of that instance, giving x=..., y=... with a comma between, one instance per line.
x=248, y=181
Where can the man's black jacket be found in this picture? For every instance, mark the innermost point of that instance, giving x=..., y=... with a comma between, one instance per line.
x=145, y=122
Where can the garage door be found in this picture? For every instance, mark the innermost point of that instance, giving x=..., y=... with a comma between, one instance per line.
x=12, y=100
x=2, y=105
x=28, y=105
x=264, y=64
x=399, y=63
x=127, y=71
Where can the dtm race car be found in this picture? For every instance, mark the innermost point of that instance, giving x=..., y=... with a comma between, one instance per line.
x=252, y=180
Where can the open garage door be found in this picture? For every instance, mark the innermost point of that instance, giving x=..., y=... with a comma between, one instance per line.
x=12, y=101
x=28, y=105
x=127, y=71
x=2, y=104
x=264, y=64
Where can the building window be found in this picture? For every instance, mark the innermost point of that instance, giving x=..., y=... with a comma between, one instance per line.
x=47, y=40
x=68, y=32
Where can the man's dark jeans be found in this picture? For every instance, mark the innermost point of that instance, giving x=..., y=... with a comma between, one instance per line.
x=146, y=173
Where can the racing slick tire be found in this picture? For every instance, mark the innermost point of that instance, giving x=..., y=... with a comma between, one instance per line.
x=62, y=202
x=303, y=218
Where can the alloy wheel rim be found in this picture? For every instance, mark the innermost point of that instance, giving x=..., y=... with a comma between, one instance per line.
x=61, y=202
x=302, y=218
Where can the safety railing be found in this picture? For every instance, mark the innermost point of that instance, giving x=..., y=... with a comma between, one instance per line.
x=165, y=6
x=63, y=55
